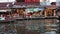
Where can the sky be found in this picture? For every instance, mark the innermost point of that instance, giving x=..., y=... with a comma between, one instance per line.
x=14, y=0
x=7, y=0
x=58, y=3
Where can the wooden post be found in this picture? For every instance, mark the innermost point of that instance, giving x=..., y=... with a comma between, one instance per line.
x=45, y=14
x=41, y=12
x=54, y=12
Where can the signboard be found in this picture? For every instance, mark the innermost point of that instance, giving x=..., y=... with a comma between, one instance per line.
x=36, y=9
x=32, y=10
x=29, y=10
